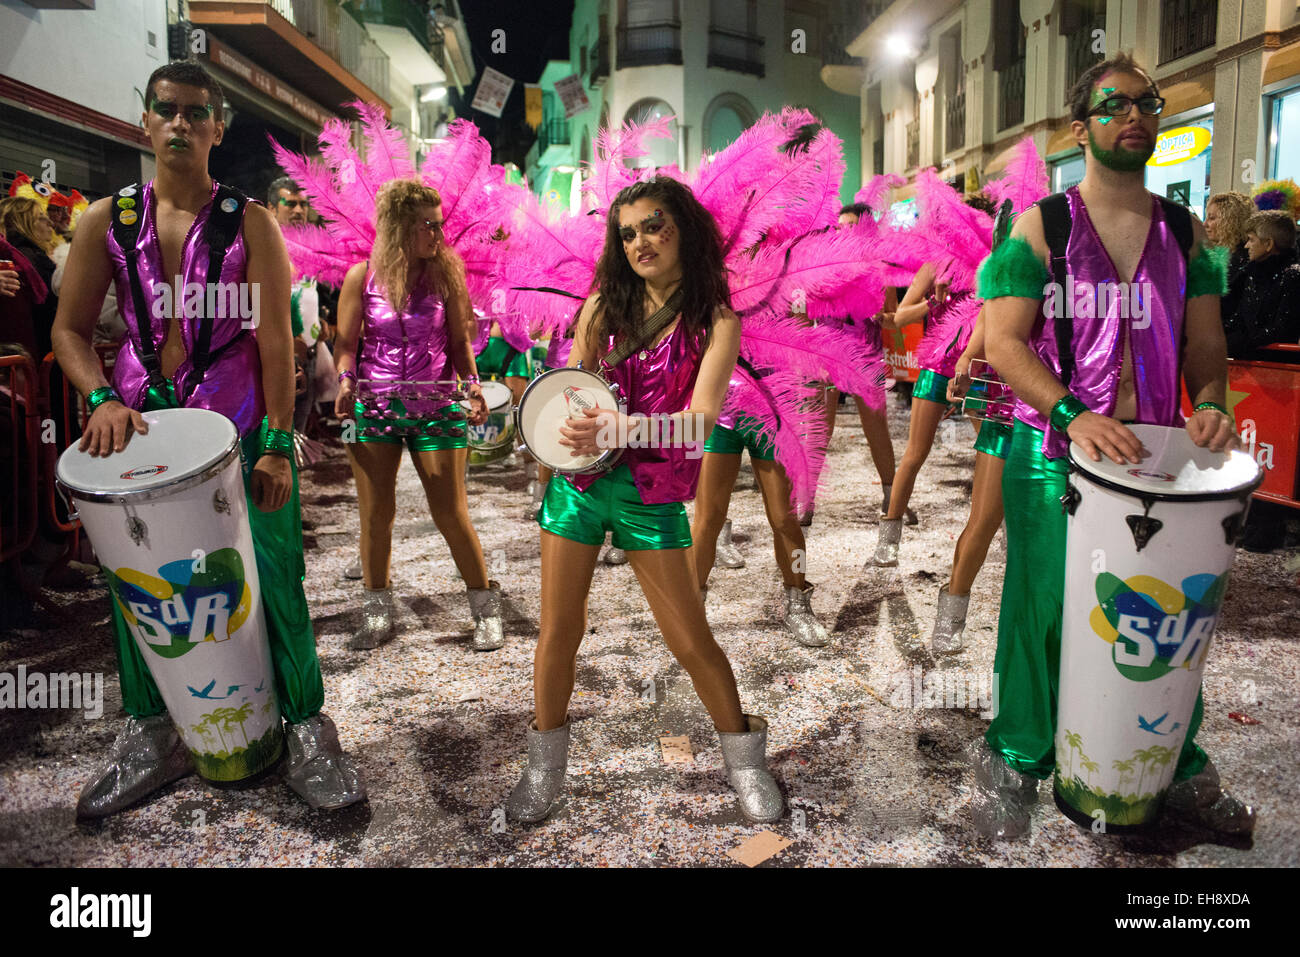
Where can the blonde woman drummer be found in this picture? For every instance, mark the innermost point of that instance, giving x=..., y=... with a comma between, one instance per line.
x=662, y=259
x=427, y=338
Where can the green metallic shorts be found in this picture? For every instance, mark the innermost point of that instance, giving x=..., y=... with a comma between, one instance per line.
x=994, y=439
x=453, y=430
x=931, y=386
x=498, y=360
x=746, y=435
x=613, y=504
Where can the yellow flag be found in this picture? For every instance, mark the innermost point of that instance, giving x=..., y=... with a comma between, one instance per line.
x=533, y=105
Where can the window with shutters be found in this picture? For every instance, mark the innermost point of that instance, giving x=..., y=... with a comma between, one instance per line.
x=649, y=33
x=1009, y=62
x=734, y=43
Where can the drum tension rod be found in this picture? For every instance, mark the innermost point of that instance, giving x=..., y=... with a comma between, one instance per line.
x=1233, y=527
x=1143, y=526
x=1070, y=500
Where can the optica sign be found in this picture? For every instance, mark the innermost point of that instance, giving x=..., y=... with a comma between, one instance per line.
x=1180, y=144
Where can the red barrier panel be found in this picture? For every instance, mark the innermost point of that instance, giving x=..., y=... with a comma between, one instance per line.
x=900, y=350
x=19, y=415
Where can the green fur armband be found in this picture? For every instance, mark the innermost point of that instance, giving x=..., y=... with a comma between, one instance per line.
x=1207, y=272
x=1013, y=269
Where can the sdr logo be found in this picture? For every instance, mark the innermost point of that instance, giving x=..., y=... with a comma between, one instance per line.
x=180, y=608
x=1154, y=627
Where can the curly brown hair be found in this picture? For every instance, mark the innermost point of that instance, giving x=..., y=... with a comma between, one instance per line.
x=397, y=210
x=704, y=274
x=1234, y=210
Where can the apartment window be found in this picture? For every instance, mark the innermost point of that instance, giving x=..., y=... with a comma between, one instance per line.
x=1186, y=26
x=1080, y=21
x=1009, y=62
x=1284, y=137
x=662, y=152
x=734, y=43
x=649, y=33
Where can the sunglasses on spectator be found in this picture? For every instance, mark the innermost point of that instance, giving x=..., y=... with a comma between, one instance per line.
x=1149, y=105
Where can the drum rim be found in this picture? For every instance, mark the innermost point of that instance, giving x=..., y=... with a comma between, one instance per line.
x=605, y=462
x=1240, y=491
x=218, y=466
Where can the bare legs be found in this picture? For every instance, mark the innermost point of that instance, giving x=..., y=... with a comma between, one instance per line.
x=374, y=466
x=920, y=438
x=875, y=426
x=787, y=536
x=985, y=517
x=712, y=497
x=667, y=579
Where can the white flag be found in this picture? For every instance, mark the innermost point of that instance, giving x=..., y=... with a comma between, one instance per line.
x=493, y=91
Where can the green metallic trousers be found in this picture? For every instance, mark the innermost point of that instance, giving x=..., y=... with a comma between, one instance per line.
x=1028, y=660
x=277, y=545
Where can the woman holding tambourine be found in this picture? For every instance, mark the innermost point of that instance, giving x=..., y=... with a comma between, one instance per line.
x=660, y=329
x=427, y=338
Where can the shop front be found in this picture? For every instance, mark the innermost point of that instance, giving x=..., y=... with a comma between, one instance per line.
x=1179, y=169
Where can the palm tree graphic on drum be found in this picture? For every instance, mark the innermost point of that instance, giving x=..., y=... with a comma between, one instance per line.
x=1125, y=769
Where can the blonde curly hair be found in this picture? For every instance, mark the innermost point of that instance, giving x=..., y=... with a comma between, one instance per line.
x=397, y=216
x=1234, y=209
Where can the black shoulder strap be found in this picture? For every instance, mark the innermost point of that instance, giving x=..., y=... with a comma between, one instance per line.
x=127, y=211
x=1180, y=224
x=222, y=228
x=1056, y=232
x=660, y=320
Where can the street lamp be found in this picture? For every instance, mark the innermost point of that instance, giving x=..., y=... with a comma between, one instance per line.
x=899, y=46
x=436, y=91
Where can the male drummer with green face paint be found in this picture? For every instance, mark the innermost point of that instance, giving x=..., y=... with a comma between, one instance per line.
x=1071, y=365
x=237, y=365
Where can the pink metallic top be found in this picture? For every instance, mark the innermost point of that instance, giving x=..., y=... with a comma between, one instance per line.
x=406, y=346
x=659, y=381
x=233, y=383
x=1155, y=337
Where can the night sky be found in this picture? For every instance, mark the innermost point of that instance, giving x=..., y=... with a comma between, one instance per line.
x=536, y=31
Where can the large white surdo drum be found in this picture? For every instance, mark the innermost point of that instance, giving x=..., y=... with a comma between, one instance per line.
x=550, y=399
x=495, y=438
x=1148, y=552
x=169, y=521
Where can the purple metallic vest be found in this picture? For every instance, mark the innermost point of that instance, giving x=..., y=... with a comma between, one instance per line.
x=659, y=380
x=406, y=346
x=233, y=383
x=1153, y=324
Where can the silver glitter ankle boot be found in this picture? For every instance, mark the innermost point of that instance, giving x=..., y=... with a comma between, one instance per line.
x=320, y=771
x=1201, y=801
x=353, y=572
x=745, y=755
x=615, y=556
x=908, y=515
x=891, y=533
x=147, y=755
x=728, y=555
x=535, y=795
x=949, y=623
x=799, y=618
x=1002, y=796
x=485, y=606
x=377, y=616
x=535, y=506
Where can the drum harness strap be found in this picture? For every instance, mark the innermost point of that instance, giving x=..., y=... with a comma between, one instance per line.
x=1056, y=232
x=657, y=323
x=219, y=232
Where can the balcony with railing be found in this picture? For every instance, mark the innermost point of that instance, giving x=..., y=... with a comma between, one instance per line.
x=914, y=143
x=554, y=131
x=1011, y=95
x=413, y=15
x=1186, y=27
x=650, y=44
x=954, y=121
x=731, y=50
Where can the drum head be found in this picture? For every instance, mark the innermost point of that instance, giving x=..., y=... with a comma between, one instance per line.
x=551, y=398
x=180, y=443
x=1174, y=468
x=497, y=395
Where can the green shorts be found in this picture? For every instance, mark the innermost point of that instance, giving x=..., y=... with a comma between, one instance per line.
x=613, y=504
x=442, y=432
x=931, y=386
x=746, y=435
x=499, y=360
x=994, y=439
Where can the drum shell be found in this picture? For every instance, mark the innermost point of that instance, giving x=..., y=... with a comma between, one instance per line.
x=198, y=529
x=1129, y=679
x=495, y=438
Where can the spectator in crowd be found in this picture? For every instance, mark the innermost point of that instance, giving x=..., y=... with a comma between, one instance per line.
x=1263, y=305
x=1225, y=221
x=30, y=232
x=22, y=292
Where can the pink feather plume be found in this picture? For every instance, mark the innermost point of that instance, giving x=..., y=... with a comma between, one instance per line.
x=1024, y=180
x=786, y=408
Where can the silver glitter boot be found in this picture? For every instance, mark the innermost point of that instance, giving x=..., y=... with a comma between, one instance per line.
x=908, y=514
x=615, y=556
x=745, y=755
x=535, y=506
x=376, y=620
x=485, y=606
x=1002, y=796
x=319, y=770
x=891, y=533
x=535, y=795
x=728, y=555
x=799, y=618
x=949, y=623
x=147, y=755
x=1201, y=801
x=353, y=572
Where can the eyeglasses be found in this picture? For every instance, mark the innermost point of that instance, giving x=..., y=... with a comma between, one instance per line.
x=1148, y=105
x=431, y=226
x=294, y=203
x=167, y=109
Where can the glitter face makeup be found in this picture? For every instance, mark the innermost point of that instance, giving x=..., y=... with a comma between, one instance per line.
x=652, y=242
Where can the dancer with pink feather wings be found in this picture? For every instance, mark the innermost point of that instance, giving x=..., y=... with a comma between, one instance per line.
x=774, y=195
x=411, y=252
